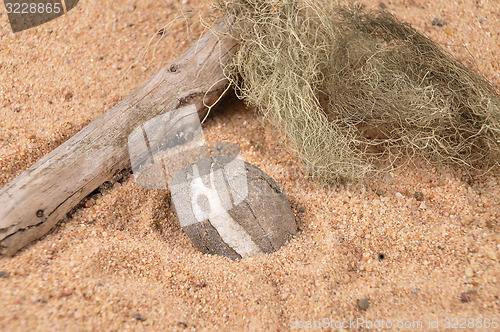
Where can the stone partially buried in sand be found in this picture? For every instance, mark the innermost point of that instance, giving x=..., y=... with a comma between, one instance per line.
x=231, y=208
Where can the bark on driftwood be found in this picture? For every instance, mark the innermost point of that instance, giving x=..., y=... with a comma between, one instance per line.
x=35, y=201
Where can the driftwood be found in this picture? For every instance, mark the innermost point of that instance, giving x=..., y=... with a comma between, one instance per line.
x=35, y=201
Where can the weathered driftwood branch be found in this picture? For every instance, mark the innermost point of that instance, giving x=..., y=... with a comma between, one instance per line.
x=35, y=201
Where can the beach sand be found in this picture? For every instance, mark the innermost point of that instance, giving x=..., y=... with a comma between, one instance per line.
x=417, y=245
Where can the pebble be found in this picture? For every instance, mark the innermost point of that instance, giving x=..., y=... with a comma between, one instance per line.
x=140, y=317
x=4, y=274
x=448, y=31
x=88, y=204
x=263, y=224
x=467, y=296
x=66, y=292
x=418, y=196
x=68, y=96
x=363, y=304
x=438, y=22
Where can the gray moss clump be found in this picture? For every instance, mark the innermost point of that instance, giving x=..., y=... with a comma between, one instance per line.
x=355, y=91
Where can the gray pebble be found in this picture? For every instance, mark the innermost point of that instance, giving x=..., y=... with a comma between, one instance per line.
x=140, y=317
x=468, y=296
x=231, y=208
x=418, y=196
x=363, y=304
x=4, y=274
x=438, y=22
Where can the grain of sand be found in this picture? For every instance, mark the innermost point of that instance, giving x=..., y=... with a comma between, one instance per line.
x=123, y=263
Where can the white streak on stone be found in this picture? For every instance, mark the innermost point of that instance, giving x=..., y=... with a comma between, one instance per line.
x=232, y=233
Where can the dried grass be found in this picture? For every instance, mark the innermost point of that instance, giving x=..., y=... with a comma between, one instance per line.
x=355, y=90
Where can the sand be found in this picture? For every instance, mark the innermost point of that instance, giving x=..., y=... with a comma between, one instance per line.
x=415, y=246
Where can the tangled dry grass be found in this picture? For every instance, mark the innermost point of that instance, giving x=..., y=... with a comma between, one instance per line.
x=357, y=92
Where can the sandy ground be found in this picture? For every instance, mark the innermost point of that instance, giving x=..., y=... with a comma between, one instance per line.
x=123, y=263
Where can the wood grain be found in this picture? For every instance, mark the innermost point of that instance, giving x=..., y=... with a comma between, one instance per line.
x=35, y=201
